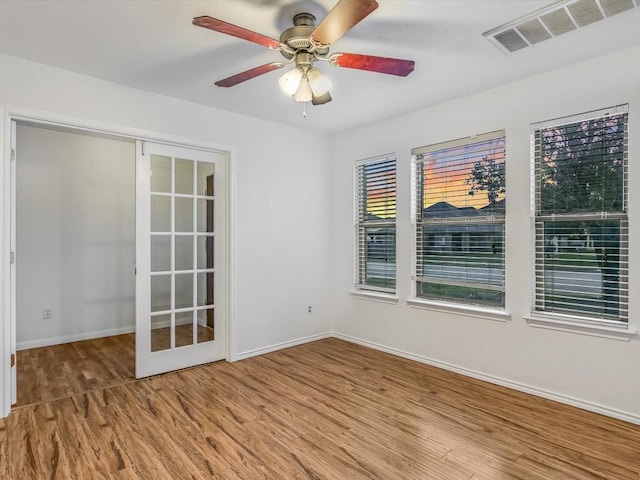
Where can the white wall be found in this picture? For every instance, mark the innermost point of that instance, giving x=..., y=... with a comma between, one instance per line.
x=280, y=187
x=75, y=236
x=599, y=373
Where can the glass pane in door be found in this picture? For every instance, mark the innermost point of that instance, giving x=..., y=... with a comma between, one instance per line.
x=204, y=179
x=160, y=213
x=183, y=290
x=205, y=289
x=205, y=215
x=205, y=246
x=184, y=176
x=184, y=214
x=160, y=174
x=160, y=332
x=206, y=332
x=160, y=253
x=184, y=252
x=160, y=293
x=184, y=328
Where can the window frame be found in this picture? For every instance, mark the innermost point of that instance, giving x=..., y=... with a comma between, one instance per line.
x=586, y=324
x=439, y=302
x=362, y=289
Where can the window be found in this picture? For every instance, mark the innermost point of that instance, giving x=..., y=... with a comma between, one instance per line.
x=376, y=224
x=459, y=208
x=580, y=217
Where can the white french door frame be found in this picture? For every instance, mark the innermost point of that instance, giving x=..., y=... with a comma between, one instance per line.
x=174, y=357
x=9, y=115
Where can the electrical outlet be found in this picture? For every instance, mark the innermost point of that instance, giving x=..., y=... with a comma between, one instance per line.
x=309, y=309
x=47, y=313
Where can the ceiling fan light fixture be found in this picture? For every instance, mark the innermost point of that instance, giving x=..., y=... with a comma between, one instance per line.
x=322, y=99
x=305, y=43
x=318, y=82
x=290, y=81
x=304, y=93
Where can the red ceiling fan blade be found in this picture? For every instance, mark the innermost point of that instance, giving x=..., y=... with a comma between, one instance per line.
x=391, y=66
x=230, y=29
x=249, y=74
x=342, y=18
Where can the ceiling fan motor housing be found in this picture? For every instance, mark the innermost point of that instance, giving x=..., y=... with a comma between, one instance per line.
x=298, y=37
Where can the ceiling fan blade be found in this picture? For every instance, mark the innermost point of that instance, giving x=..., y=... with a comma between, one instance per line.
x=230, y=29
x=321, y=100
x=342, y=18
x=249, y=74
x=391, y=66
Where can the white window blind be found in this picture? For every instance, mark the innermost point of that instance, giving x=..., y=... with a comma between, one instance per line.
x=375, y=211
x=580, y=217
x=458, y=196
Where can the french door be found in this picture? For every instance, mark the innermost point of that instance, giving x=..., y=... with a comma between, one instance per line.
x=181, y=275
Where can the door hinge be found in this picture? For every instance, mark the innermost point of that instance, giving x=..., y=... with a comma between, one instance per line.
x=13, y=360
x=13, y=154
x=13, y=258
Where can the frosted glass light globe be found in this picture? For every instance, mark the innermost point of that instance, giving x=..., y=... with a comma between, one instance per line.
x=290, y=81
x=304, y=93
x=319, y=83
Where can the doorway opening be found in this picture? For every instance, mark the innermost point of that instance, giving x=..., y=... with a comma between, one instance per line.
x=75, y=249
x=120, y=267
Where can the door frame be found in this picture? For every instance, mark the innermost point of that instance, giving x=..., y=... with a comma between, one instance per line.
x=8, y=114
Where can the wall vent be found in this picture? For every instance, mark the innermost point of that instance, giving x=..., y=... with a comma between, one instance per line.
x=556, y=19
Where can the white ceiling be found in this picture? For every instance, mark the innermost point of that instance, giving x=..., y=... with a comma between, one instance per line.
x=152, y=45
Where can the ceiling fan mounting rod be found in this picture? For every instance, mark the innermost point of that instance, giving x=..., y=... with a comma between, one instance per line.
x=304, y=18
x=304, y=60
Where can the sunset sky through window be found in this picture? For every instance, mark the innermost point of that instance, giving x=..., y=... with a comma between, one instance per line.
x=447, y=173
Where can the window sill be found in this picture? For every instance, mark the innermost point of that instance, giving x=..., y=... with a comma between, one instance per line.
x=623, y=333
x=375, y=296
x=475, y=311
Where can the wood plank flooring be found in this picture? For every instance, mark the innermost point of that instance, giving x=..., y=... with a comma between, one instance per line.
x=58, y=371
x=324, y=410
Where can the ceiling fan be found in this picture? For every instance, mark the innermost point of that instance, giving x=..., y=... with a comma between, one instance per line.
x=306, y=43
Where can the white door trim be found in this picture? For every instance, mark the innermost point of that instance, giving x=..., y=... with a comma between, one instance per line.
x=12, y=264
x=5, y=267
x=9, y=113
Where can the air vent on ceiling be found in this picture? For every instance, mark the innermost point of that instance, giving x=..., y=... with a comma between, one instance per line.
x=556, y=19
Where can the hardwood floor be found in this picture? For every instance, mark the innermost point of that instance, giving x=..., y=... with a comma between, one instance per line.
x=58, y=371
x=324, y=410
x=49, y=373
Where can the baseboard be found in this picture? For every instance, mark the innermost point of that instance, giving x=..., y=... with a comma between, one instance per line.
x=47, y=342
x=521, y=387
x=280, y=346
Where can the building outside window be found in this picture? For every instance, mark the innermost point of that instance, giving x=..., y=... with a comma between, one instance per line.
x=375, y=224
x=459, y=203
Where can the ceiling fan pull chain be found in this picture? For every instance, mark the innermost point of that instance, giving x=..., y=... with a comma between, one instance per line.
x=304, y=110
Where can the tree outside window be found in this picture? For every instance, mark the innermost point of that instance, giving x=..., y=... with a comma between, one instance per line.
x=581, y=223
